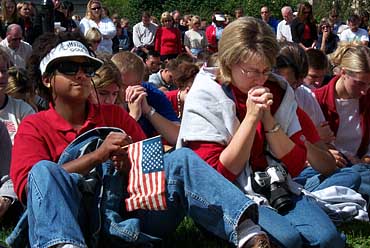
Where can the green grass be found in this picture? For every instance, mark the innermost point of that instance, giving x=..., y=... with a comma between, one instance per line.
x=188, y=235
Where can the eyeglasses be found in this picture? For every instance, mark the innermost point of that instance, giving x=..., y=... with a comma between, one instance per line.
x=96, y=8
x=325, y=26
x=96, y=41
x=254, y=73
x=71, y=68
x=167, y=20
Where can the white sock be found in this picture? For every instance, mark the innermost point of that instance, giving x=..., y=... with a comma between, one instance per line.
x=66, y=246
x=246, y=230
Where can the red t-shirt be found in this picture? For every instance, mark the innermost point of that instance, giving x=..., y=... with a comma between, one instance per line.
x=45, y=135
x=168, y=41
x=211, y=151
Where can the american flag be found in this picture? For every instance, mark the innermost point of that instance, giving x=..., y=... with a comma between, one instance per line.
x=147, y=176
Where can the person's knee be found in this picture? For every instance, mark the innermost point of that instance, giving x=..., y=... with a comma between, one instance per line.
x=43, y=169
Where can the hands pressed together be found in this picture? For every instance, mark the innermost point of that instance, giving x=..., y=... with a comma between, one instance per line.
x=136, y=100
x=258, y=103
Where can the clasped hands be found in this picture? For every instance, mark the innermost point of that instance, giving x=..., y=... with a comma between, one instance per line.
x=135, y=96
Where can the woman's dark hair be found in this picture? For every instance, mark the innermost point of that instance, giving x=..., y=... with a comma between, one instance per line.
x=41, y=47
x=291, y=55
x=184, y=74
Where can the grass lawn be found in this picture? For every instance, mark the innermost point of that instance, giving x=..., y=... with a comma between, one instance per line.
x=188, y=235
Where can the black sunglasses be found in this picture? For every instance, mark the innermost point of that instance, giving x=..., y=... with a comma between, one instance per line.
x=96, y=8
x=71, y=68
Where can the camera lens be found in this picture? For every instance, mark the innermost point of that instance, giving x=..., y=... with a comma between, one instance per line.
x=280, y=198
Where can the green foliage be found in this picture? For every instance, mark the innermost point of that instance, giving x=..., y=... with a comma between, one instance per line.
x=204, y=8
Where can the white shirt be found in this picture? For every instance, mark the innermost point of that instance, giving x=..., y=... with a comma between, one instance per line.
x=307, y=101
x=143, y=35
x=349, y=134
x=349, y=36
x=20, y=55
x=106, y=28
x=13, y=113
x=283, y=32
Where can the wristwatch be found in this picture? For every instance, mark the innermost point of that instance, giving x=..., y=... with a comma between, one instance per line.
x=150, y=113
x=274, y=129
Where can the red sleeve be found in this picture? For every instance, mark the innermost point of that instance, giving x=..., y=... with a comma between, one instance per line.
x=295, y=159
x=210, y=152
x=157, y=41
x=308, y=128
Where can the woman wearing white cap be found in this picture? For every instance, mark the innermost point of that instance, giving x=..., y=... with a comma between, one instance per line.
x=61, y=160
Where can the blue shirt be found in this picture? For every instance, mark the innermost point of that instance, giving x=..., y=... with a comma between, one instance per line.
x=158, y=100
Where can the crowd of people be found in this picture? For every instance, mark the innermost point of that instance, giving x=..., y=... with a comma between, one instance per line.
x=262, y=121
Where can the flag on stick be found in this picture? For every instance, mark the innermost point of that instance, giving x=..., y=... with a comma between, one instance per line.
x=146, y=185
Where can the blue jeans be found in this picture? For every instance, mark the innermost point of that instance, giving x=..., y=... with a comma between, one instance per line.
x=364, y=171
x=306, y=224
x=62, y=208
x=312, y=180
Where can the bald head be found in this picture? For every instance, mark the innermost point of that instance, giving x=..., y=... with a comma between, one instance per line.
x=287, y=14
x=14, y=35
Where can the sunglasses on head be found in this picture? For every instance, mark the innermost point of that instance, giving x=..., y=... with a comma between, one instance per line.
x=71, y=68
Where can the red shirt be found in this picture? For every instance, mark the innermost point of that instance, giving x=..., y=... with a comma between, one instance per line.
x=168, y=41
x=172, y=97
x=45, y=135
x=294, y=160
x=326, y=98
x=308, y=127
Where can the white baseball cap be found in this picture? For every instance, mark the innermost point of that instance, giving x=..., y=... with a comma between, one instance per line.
x=67, y=49
x=219, y=17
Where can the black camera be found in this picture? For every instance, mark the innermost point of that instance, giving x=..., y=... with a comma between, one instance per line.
x=272, y=184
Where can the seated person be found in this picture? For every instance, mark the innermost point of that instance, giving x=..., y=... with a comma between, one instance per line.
x=65, y=66
x=321, y=171
x=145, y=103
x=12, y=111
x=344, y=102
x=163, y=78
x=183, y=78
x=235, y=123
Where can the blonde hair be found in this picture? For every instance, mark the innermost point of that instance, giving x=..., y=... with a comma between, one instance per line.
x=106, y=75
x=352, y=57
x=128, y=62
x=93, y=34
x=166, y=16
x=19, y=86
x=194, y=19
x=13, y=17
x=246, y=38
x=88, y=14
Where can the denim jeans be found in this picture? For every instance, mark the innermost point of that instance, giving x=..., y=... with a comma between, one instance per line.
x=63, y=209
x=364, y=171
x=305, y=225
x=313, y=180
